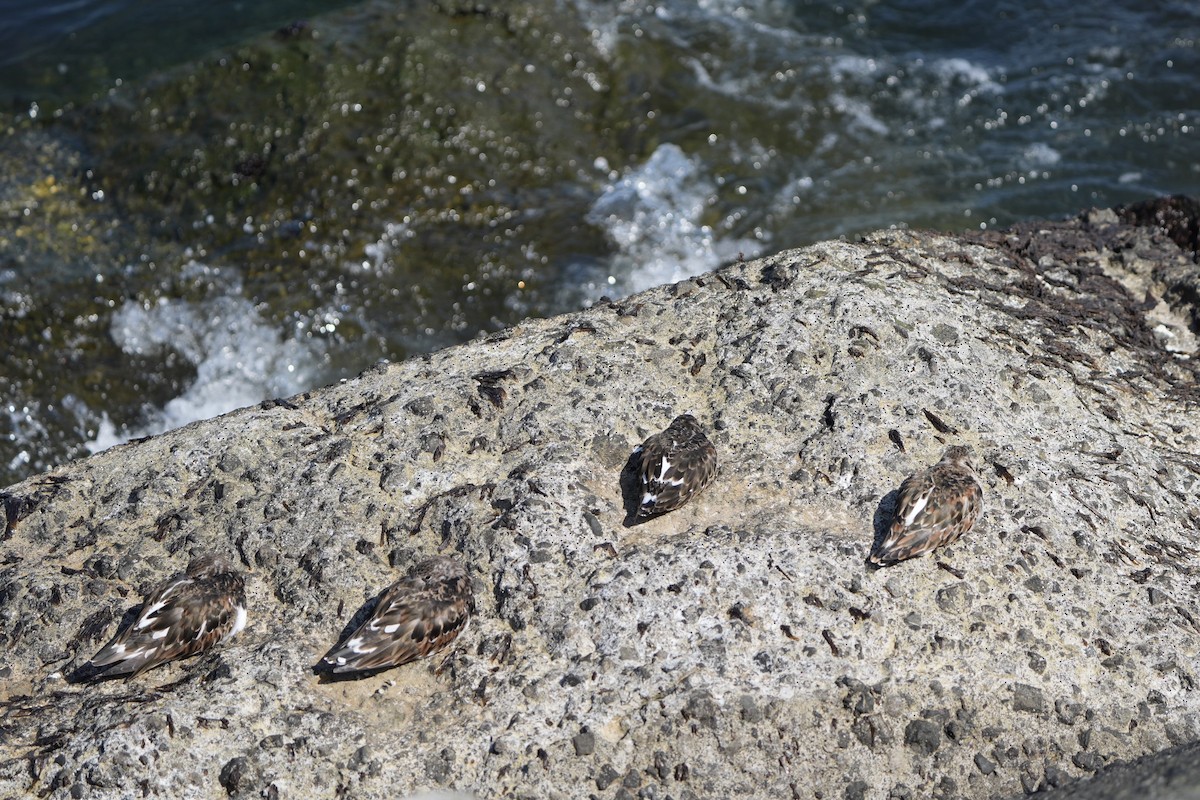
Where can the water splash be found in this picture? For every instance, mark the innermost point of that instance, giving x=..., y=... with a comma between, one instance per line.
x=653, y=215
x=240, y=359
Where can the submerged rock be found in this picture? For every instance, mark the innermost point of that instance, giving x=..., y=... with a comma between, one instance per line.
x=739, y=646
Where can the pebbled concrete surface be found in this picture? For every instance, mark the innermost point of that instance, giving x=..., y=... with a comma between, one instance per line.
x=738, y=647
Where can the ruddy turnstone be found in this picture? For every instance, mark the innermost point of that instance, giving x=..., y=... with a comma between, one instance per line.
x=936, y=506
x=417, y=615
x=189, y=613
x=674, y=465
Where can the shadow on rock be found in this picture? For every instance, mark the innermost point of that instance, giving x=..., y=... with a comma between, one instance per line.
x=324, y=669
x=88, y=673
x=92, y=627
x=631, y=491
x=880, y=522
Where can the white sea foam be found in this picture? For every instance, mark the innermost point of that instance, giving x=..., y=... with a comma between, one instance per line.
x=858, y=113
x=1040, y=154
x=653, y=214
x=379, y=252
x=26, y=427
x=793, y=193
x=963, y=71
x=742, y=89
x=240, y=359
x=929, y=85
x=852, y=67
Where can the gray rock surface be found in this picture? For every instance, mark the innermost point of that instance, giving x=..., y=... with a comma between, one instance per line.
x=1170, y=775
x=739, y=647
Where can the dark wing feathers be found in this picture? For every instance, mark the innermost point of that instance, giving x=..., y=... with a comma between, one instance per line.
x=144, y=643
x=674, y=465
x=415, y=616
x=185, y=615
x=935, y=507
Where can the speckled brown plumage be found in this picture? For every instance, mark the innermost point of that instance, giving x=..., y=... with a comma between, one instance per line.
x=674, y=465
x=189, y=613
x=936, y=506
x=417, y=615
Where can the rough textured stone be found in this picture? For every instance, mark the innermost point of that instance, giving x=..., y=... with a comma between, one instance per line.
x=825, y=375
x=1173, y=774
x=585, y=744
x=923, y=736
x=1028, y=698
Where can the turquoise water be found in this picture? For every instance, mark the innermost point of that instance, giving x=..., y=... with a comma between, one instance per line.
x=505, y=163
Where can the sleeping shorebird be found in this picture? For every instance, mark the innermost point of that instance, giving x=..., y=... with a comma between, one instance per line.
x=936, y=506
x=674, y=465
x=416, y=616
x=189, y=613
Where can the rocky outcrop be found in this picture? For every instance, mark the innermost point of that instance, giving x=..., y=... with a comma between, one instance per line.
x=740, y=646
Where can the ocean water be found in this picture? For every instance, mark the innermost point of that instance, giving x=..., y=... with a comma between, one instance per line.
x=679, y=136
x=52, y=51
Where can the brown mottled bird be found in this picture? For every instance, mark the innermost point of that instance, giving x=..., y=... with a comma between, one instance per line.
x=189, y=613
x=936, y=506
x=417, y=615
x=674, y=465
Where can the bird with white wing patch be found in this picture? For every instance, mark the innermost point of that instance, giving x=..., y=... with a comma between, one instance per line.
x=936, y=506
x=188, y=614
x=417, y=615
x=673, y=466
